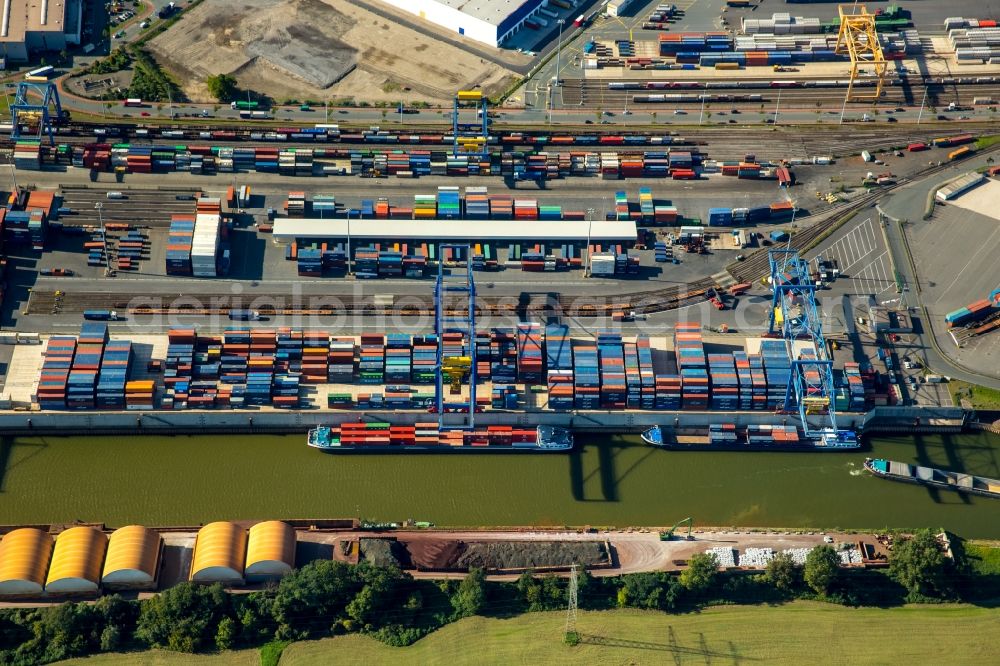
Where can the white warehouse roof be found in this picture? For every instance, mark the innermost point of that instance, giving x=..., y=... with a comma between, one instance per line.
x=493, y=12
x=289, y=229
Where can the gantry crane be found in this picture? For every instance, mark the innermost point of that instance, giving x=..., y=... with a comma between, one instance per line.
x=471, y=139
x=455, y=314
x=795, y=317
x=35, y=115
x=859, y=39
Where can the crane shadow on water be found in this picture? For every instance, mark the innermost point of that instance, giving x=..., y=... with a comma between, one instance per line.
x=7, y=445
x=606, y=469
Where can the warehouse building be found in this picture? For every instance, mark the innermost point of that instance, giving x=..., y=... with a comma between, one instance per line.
x=219, y=553
x=24, y=559
x=270, y=550
x=133, y=559
x=29, y=27
x=76, y=561
x=487, y=21
x=289, y=229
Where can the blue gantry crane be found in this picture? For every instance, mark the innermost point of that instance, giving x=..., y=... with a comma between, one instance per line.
x=31, y=109
x=794, y=316
x=455, y=313
x=471, y=139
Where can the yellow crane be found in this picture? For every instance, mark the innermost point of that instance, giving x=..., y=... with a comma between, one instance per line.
x=859, y=39
x=455, y=369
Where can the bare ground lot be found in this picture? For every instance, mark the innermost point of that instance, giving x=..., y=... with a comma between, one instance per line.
x=317, y=49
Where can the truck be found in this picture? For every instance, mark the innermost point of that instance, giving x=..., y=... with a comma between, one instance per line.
x=100, y=315
x=244, y=315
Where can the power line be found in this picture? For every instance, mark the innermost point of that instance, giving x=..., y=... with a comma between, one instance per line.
x=572, y=605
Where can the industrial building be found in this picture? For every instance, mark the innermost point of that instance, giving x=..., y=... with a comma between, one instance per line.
x=959, y=186
x=270, y=550
x=133, y=559
x=486, y=21
x=219, y=554
x=24, y=559
x=76, y=562
x=289, y=229
x=28, y=27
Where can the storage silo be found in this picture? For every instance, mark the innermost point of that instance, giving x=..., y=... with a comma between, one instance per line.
x=219, y=553
x=24, y=559
x=133, y=559
x=270, y=550
x=76, y=561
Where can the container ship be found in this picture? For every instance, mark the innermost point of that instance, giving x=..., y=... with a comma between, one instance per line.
x=727, y=437
x=431, y=438
x=938, y=478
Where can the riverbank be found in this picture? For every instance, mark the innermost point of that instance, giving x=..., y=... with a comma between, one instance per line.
x=607, y=481
x=949, y=633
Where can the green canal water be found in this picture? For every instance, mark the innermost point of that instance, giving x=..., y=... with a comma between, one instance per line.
x=607, y=481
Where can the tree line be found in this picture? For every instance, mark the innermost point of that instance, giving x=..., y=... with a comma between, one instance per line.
x=327, y=598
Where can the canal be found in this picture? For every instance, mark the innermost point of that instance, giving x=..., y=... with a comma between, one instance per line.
x=607, y=481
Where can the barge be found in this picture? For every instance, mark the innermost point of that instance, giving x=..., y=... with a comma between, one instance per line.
x=727, y=437
x=381, y=437
x=936, y=478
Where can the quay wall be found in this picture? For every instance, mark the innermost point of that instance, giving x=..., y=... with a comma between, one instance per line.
x=882, y=419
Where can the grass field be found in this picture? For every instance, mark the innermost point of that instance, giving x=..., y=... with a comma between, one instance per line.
x=797, y=633
x=984, y=558
x=981, y=397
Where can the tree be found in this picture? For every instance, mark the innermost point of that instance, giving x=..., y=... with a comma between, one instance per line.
x=310, y=599
x=782, y=573
x=377, y=595
x=221, y=86
x=531, y=591
x=184, y=618
x=470, y=597
x=919, y=565
x=822, y=568
x=225, y=635
x=701, y=572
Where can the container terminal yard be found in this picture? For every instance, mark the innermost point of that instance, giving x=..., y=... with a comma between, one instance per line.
x=797, y=259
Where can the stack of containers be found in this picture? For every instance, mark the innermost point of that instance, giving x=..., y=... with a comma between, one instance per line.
x=501, y=207
x=82, y=383
x=559, y=362
x=205, y=241
x=855, y=388
x=56, y=366
x=621, y=206
x=27, y=154
x=178, y=367
x=113, y=377
x=504, y=396
x=646, y=208
x=449, y=204
x=660, y=252
x=477, y=204
x=371, y=363
x=745, y=379
x=778, y=371
x=725, y=383
x=550, y=213
x=139, y=394
x=586, y=375
x=525, y=209
x=390, y=264
x=668, y=392
x=315, y=350
x=722, y=433
x=288, y=355
x=398, y=358
x=503, y=355
x=260, y=368
x=689, y=352
x=340, y=360
x=529, y=353
x=646, y=375
x=612, y=360
x=234, y=357
x=424, y=359
x=285, y=391
x=720, y=217
x=366, y=262
x=309, y=261
x=758, y=382
x=424, y=207
x=324, y=205
x=633, y=378
x=295, y=205
x=970, y=313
